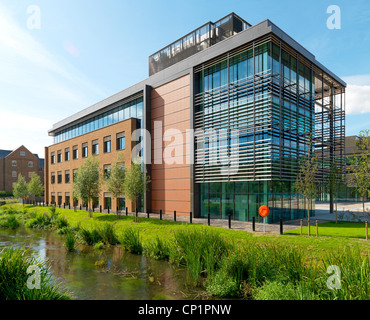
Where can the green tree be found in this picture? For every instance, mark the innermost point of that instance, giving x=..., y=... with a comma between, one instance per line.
x=115, y=182
x=135, y=183
x=35, y=187
x=360, y=166
x=306, y=178
x=88, y=182
x=20, y=189
x=335, y=182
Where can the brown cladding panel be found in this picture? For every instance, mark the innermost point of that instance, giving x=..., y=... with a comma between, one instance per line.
x=171, y=182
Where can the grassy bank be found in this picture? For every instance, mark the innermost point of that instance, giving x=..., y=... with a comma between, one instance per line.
x=332, y=229
x=227, y=263
x=17, y=282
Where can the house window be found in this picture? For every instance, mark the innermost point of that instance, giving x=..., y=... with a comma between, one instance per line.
x=52, y=197
x=59, y=177
x=30, y=164
x=14, y=163
x=60, y=198
x=84, y=150
x=95, y=147
x=75, y=152
x=67, y=176
x=121, y=141
x=22, y=153
x=52, y=157
x=53, y=178
x=66, y=155
x=107, y=144
x=59, y=156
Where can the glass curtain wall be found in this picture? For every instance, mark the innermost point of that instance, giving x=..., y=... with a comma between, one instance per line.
x=267, y=94
x=132, y=109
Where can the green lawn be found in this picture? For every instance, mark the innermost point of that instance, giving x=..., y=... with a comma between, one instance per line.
x=331, y=229
x=331, y=236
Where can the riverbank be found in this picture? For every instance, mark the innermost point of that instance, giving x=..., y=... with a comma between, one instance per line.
x=231, y=263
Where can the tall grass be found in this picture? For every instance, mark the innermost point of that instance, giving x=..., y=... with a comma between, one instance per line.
x=13, y=278
x=104, y=233
x=158, y=249
x=201, y=251
x=108, y=234
x=131, y=241
x=70, y=241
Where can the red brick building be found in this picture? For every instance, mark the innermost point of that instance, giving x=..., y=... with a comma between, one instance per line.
x=19, y=161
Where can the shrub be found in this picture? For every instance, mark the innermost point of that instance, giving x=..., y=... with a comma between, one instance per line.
x=90, y=236
x=131, y=241
x=201, y=251
x=70, y=241
x=158, y=249
x=14, y=264
x=61, y=222
x=13, y=222
x=41, y=221
x=107, y=234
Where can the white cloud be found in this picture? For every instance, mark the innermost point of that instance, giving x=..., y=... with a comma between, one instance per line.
x=357, y=94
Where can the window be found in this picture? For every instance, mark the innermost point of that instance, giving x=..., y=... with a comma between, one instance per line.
x=30, y=164
x=14, y=173
x=107, y=201
x=107, y=144
x=59, y=156
x=52, y=197
x=52, y=157
x=66, y=154
x=107, y=169
x=75, y=152
x=68, y=198
x=121, y=141
x=59, y=177
x=95, y=147
x=14, y=163
x=60, y=198
x=53, y=178
x=84, y=150
x=74, y=174
x=67, y=176
x=22, y=153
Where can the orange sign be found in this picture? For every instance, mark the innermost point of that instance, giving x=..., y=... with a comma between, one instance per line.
x=263, y=211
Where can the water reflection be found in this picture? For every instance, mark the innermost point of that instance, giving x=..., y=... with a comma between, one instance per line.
x=109, y=274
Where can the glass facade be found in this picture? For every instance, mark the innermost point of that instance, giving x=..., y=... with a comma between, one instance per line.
x=241, y=200
x=132, y=109
x=259, y=105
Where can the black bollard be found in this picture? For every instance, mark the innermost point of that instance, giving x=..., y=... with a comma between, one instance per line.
x=254, y=223
x=147, y=213
x=126, y=211
x=174, y=215
x=230, y=221
x=100, y=208
x=281, y=226
x=108, y=209
x=80, y=207
x=160, y=214
x=191, y=217
x=209, y=219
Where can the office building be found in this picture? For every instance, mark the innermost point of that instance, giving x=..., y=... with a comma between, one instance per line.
x=229, y=108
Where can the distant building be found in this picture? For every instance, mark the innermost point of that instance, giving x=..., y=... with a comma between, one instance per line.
x=352, y=152
x=19, y=161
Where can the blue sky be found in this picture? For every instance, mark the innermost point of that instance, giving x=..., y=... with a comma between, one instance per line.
x=87, y=50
